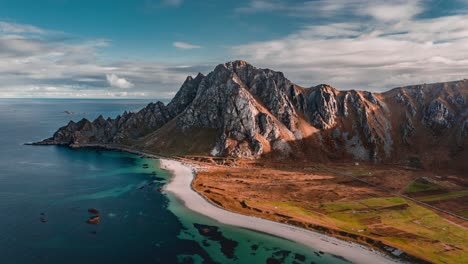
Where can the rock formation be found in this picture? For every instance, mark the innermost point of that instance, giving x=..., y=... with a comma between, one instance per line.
x=239, y=110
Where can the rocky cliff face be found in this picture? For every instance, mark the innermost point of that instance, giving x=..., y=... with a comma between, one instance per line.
x=252, y=112
x=121, y=130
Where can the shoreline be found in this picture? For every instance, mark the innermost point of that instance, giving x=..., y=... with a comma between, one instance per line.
x=181, y=186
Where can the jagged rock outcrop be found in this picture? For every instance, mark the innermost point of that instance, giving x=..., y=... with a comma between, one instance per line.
x=185, y=95
x=225, y=103
x=438, y=116
x=121, y=130
x=242, y=111
x=407, y=130
x=322, y=108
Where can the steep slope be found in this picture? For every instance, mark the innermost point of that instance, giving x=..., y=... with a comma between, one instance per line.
x=239, y=110
x=129, y=127
x=121, y=130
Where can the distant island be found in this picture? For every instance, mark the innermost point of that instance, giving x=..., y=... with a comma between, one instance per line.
x=387, y=170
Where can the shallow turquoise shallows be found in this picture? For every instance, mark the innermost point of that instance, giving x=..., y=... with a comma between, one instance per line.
x=46, y=191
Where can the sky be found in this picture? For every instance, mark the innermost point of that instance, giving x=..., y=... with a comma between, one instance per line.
x=146, y=48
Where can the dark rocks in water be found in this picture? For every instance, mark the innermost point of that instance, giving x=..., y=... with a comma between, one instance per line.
x=151, y=183
x=160, y=190
x=93, y=211
x=254, y=247
x=299, y=257
x=94, y=232
x=94, y=220
x=158, y=179
x=317, y=254
x=68, y=112
x=43, y=219
x=273, y=261
x=205, y=243
x=212, y=232
x=279, y=256
x=321, y=252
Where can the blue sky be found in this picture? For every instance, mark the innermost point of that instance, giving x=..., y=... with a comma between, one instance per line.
x=146, y=48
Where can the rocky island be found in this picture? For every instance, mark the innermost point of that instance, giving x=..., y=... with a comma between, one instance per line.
x=387, y=170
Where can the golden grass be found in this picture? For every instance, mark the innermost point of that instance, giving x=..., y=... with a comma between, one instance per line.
x=414, y=229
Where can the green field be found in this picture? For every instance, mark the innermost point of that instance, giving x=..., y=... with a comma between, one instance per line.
x=421, y=187
x=444, y=196
x=415, y=220
x=412, y=228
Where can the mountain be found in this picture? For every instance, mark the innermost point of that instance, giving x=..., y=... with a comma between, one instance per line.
x=239, y=110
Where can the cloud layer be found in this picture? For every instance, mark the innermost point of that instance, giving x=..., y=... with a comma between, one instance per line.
x=19, y=28
x=397, y=49
x=35, y=62
x=336, y=9
x=350, y=44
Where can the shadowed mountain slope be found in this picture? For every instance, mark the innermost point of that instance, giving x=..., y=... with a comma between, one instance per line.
x=239, y=110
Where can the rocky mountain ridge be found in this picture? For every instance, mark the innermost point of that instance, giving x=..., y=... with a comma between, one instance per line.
x=239, y=110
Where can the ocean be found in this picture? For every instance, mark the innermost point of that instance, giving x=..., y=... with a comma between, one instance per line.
x=46, y=191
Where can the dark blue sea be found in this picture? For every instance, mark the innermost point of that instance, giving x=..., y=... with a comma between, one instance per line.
x=46, y=191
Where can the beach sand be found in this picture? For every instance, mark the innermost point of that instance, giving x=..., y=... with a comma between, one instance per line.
x=180, y=185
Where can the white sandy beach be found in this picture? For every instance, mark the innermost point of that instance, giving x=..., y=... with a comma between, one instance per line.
x=180, y=185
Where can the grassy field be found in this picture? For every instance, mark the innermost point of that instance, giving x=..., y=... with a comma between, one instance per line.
x=394, y=220
x=420, y=187
x=444, y=196
x=328, y=200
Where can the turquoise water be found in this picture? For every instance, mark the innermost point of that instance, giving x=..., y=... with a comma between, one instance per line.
x=46, y=191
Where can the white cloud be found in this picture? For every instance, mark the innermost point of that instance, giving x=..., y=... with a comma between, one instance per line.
x=370, y=57
x=378, y=9
x=185, y=45
x=116, y=81
x=395, y=11
x=8, y=27
x=377, y=47
x=36, y=65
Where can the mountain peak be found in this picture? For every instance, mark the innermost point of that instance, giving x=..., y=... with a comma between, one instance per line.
x=190, y=78
x=239, y=110
x=234, y=66
x=238, y=63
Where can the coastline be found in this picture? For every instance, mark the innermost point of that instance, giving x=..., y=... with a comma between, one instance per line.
x=180, y=186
